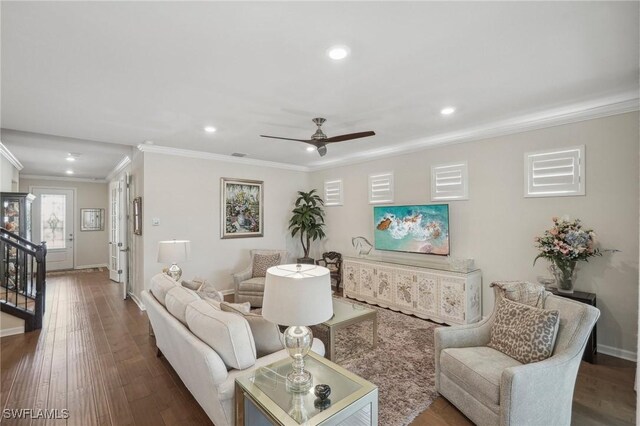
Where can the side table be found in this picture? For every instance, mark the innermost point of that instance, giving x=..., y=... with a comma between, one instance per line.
x=591, y=350
x=261, y=398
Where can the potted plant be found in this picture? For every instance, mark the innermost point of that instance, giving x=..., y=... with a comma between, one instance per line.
x=308, y=221
x=563, y=245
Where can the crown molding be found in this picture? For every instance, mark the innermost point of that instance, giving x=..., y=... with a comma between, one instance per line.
x=166, y=150
x=599, y=108
x=119, y=167
x=4, y=151
x=63, y=178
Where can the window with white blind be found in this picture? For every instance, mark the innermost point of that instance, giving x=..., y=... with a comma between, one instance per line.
x=555, y=173
x=381, y=188
x=333, y=193
x=450, y=181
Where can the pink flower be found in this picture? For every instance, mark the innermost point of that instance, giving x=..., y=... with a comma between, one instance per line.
x=555, y=218
x=553, y=231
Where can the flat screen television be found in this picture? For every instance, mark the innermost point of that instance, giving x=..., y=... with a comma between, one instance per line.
x=414, y=229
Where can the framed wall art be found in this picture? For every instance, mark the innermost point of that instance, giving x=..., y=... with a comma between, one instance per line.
x=137, y=216
x=242, y=211
x=92, y=219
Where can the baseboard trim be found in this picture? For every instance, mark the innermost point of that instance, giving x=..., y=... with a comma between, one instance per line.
x=97, y=265
x=137, y=301
x=618, y=353
x=11, y=331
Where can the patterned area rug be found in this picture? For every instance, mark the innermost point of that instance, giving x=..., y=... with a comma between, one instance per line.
x=401, y=365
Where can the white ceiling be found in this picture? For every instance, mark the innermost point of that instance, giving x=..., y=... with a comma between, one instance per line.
x=122, y=73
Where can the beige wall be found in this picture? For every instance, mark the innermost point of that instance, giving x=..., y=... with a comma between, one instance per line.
x=9, y=176
x=91, y=247
x=184, y=193
x=496, y=226
x=136, y=168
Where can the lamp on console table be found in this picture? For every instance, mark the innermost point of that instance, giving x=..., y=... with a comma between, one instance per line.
x=297, y=296
x=172, y=252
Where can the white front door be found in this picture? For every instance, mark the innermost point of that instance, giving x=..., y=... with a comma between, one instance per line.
x=53, y=224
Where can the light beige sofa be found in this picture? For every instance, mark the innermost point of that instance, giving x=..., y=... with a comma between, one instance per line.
x=204, y=370
x=491, y=388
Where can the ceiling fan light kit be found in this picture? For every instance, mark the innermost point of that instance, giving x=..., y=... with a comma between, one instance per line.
x=320, y=140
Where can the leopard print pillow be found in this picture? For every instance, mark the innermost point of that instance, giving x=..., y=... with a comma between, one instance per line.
x=262, y=262
x=523, y=332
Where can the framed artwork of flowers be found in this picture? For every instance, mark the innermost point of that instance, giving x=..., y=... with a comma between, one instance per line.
x=242, y=208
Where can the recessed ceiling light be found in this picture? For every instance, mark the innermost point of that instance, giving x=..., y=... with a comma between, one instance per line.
x=338, y=52
x=69, y=172
x=210, y=129
x=310, y=149
x=447, y=111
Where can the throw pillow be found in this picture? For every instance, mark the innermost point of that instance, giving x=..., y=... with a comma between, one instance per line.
x=191, y=285
x=266, y=334
x=245, y=307
x=523, y=332
x=262, y=262
x=524, y=292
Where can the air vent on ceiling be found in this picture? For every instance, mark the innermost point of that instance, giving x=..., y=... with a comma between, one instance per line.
x=238, y=154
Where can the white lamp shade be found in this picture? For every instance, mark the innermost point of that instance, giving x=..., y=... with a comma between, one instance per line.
x=297, y=298
x=173, y=251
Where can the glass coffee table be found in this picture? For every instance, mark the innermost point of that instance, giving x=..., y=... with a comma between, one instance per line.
x=261, y=397
x=346, y=313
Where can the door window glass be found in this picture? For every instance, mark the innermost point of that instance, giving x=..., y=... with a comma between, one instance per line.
x=52, y=223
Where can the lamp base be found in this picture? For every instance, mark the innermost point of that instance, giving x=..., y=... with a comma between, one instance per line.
x=174, y=272
x=297, y=340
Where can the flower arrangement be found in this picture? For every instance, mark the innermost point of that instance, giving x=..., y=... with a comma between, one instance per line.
x=567, y=241
x=563, y=245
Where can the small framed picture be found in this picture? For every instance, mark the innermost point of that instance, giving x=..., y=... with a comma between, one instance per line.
x=137, y=216
x=92, y=219
x=242, y=210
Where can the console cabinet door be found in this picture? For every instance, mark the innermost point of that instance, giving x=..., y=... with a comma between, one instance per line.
x=350, y=277
x=405, y=289
x=427, y=296
x=366, y=281
x=452, y=299
x=383, y=290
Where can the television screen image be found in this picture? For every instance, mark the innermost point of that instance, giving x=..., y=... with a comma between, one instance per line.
x=414, y=229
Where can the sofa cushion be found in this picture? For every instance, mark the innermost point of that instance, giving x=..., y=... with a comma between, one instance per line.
x=177, y=300
x=227, y=333
x=252, y=285
x=266, y=334
x=262, y=262
x=524, y=332
x=477, y=370
x=160, y=284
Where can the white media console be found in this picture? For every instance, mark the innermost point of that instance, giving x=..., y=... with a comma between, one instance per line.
x=432, y=291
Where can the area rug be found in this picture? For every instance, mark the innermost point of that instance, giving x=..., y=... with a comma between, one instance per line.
x=402, y=364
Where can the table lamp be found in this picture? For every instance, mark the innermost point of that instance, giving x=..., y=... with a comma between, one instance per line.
x=172, y=252
x=297, y=296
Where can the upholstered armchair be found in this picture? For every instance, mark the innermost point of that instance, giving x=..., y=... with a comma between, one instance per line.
x=249, y=288
x=492, y=388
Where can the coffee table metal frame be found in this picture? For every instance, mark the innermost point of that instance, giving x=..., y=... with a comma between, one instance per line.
x=334, y=324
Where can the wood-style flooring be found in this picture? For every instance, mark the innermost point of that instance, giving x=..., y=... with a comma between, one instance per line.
x=94, y=357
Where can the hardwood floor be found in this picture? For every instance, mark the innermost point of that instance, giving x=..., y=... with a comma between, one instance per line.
x=94, y=357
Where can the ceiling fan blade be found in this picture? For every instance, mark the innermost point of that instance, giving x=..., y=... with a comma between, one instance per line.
x=349, y=137
x=286, y=139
